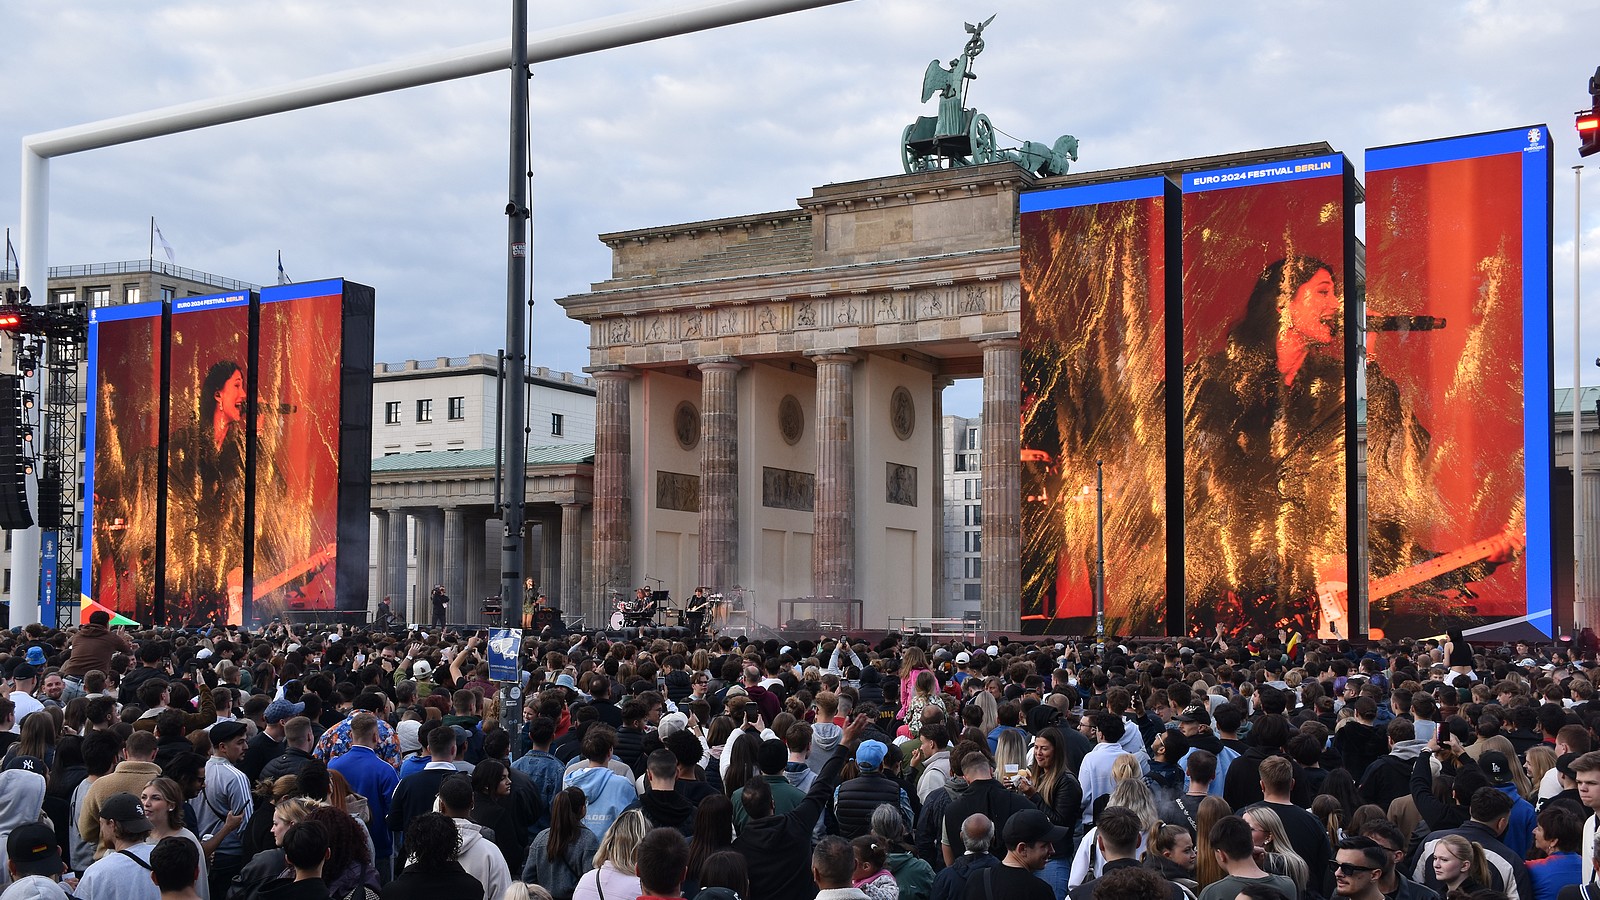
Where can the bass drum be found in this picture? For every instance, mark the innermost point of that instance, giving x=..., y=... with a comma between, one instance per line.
x=617, y=621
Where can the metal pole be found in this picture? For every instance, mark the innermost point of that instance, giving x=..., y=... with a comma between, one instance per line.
x=1099, y=551
x=514, y=440
x=1580, y=603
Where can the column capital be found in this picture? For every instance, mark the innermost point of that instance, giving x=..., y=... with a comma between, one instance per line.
x=1003, y=339
x=624, y=373
x=836, y=355
x=718, y=363
x=940, y=382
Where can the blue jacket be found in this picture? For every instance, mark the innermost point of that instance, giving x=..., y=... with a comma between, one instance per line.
x=545, y=771
x=375, y=780
x=609, y=795
x=1519, y=831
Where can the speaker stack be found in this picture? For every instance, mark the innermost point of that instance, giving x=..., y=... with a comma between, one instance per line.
x=14, y=513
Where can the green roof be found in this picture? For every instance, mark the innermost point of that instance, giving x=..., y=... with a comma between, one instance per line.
x=553, y=455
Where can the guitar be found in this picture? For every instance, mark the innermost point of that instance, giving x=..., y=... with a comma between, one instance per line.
x=308, y=566
x=1333, y=595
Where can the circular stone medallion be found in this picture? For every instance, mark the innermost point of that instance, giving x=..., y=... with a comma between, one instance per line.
x=902, y=413
x=791, y=419
x=686, y=425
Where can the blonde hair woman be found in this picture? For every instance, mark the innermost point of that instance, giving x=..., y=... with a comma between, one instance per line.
x=1500, y=742
x=1131, y=794
x=1267, y=831
x=616, y=861
x=1459, y=864
x=1539, y=760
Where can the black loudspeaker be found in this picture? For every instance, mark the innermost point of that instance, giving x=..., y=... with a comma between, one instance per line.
x=50, y=503
x=14, y=513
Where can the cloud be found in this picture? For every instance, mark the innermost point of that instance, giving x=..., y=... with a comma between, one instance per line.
x=406, y=191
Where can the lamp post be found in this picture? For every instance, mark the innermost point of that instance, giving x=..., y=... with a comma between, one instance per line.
x=1099, y=552
x=1580, y=604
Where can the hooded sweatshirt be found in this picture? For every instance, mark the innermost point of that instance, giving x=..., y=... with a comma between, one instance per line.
x=21, y=802
x=1390, y=776
x=824, y=743
x=608, y=795
x=482, y=860
x=799, y=774
x=36, y=887
x=668, y=809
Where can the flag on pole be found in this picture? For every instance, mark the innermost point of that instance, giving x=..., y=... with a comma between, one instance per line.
x=171, y=256
x=282, y=278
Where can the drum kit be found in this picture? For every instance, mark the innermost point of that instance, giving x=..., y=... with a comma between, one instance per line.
x=640, y=612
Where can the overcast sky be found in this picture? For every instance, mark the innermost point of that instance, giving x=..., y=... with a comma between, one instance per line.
x=405, y=191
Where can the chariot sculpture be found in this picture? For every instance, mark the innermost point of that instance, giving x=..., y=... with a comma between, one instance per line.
x=961, y=136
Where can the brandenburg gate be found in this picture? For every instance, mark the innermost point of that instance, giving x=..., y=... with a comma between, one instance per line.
x=768, y=397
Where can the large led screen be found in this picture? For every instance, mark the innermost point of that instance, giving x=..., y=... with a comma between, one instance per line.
x=122, y=468
x=1094, y=296
x=1459, y=378
x=313, y=393
x=206, y=493
x=1266, y=414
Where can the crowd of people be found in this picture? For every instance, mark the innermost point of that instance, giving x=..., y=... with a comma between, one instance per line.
x=308, y=763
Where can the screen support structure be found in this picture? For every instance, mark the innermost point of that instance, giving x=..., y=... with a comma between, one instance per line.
x=431, y=68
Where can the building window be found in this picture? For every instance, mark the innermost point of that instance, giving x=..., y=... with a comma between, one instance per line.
x=168, y=292
x=556, y=424
x=8, y=581
x=457, y=408
x=977, y=515
x=131, y=293
x=972, y=438
x=961, y=462
x=391, y=412
x=972, y=592
x=65, y=295
x=424, y=410
x=971, y=487
x=99, y=296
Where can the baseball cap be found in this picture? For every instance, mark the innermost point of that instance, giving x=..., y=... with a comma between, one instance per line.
x=1031, y=826
x=222, y=732
x=126, y=810
x=26, y=764
x=462, y=735
x=963, y=658
x=422, y=669
x=279, y=710
x=23, y=672
x=1197, y=714
x=870, y=754
x=1495, y=766
x=32, y=850
x=408, y=735
x=1564, y=764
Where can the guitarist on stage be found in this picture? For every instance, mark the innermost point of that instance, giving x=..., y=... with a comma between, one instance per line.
x=695, y=614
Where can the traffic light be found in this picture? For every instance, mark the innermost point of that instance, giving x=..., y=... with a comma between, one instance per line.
x=1588, y=123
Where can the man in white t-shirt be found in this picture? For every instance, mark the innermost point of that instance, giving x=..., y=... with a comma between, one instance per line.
x=24, y=679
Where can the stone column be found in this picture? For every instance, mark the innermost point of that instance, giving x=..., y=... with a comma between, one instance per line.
x=423, y=520
x=572, y=563
x=1001, y=471
x=833, y=554
x=477, y=550
x=436, y=560
x=455, y=563
x=550, y=566
x=381, y=545
x=719, y=472
x=613, y=495
x=394, y=580
x=941, y=597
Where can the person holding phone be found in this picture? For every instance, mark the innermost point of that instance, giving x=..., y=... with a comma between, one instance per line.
x=224, y=801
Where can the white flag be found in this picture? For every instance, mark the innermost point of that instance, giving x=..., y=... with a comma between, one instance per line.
x=171, y=256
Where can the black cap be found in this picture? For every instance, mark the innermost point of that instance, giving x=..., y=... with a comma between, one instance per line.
x=1031, y=826
x=222, y=732
x=32, y=849
x=126, y=810
x=1196, y=715
x=26, y=764
x=1564, y=764
x=1495, y=766
x=23, y=672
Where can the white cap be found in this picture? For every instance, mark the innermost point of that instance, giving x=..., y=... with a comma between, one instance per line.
x=994, y=650
x=205, y=653
x=963, y=658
